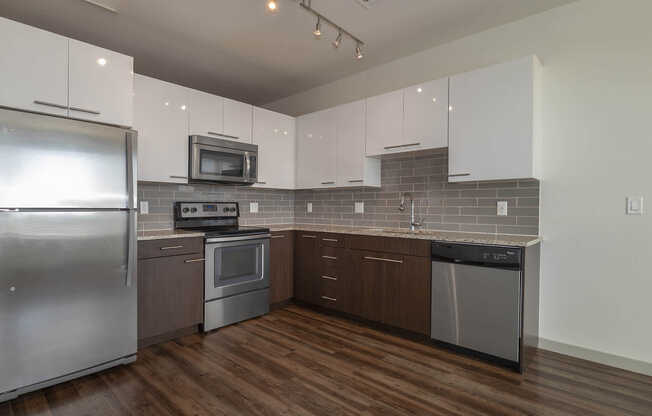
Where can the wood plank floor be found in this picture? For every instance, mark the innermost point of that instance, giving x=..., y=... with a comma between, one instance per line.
x=298, y=362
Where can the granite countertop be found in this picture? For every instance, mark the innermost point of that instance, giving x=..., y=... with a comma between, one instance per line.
x=447, y=236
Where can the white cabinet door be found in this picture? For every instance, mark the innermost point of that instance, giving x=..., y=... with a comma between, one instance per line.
x=33, y=69
x=353, y=167
x=237, y=120
x=425, y=119
x=101, y=84
x=161, y=119
x=384, y=123
x=275, y=137
x=316, y=150
x=205, y=114
x=492, y=122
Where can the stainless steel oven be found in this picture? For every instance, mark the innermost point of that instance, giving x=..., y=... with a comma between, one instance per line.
x=224, y=161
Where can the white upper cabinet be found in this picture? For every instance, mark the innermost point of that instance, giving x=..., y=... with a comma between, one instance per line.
x=384, y=123
x=237, y=120
x=274, y=133
x=161, y=119
x=206, y=114
x=33, y=69
x=316, y=150
x=425, y=118
x=353, y=167
x=493, y=126
x=101, y=84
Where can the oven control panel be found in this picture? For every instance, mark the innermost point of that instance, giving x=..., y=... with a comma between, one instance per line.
x=206, y=209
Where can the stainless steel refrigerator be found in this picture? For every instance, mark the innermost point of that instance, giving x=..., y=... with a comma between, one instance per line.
x=67, y=250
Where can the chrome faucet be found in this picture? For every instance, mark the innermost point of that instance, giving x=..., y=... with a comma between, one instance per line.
x=413, y=222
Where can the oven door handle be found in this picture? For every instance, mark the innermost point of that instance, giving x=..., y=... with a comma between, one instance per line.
x=238, y=238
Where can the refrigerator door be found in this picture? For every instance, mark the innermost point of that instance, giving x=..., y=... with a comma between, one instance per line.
x=50, y=162
x=67, y=296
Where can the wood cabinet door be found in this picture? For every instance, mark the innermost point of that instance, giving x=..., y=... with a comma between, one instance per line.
x=101, y=84
x=170, y=294
x=306, y=266
x=281, y=266
x=34, y=69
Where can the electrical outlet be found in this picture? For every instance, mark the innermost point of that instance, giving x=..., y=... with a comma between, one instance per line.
x=634, y=205
x=144, y=207
x=501, y=208
x=309, y=207
x=253, y=207
x=359, y=207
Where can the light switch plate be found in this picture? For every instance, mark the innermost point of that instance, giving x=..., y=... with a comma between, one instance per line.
x=144, y=207
x=501, y=208
x=253, y=207
x=309, y=207
x=634, y=205
x=359, y=207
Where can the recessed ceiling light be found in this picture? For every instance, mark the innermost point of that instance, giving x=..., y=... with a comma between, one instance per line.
x=101, y=61
x=272, y=6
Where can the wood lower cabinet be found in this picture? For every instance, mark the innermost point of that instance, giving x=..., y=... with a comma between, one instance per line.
x=306, y=266
x=170, y=292
x=281, y=267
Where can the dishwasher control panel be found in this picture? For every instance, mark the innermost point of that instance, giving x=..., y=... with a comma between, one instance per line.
x=477, y=254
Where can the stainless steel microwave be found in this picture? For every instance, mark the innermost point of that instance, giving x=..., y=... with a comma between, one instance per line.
x=223, y=161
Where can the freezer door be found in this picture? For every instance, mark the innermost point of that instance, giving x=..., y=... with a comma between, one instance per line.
x=50, y=162
x=66, y=302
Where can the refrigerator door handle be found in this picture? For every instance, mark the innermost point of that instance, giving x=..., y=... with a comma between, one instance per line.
x=131, y=248
x=132, y=166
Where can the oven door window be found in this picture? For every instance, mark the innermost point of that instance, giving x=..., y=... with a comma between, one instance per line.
x=216, y=163
x=238, y=264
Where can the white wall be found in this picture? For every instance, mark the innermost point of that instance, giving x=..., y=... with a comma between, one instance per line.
x=596, y=289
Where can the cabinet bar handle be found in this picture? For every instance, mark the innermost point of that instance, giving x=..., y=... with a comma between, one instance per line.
x=329, y=277
x=329, y=257
x=328, y=183
x=261, y=182
x=223, y=135
x=329, y=239
x=178, y=177
x=171, y=247
x=278, y=236
x=50, y=104
x=381, y=259
x=327, y=298
x=401, y=145
x=356, y=180
x=308, y=236
x=83, y=110
x=459, y=174
x=194, y=261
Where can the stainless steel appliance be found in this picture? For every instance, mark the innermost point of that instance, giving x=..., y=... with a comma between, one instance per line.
x=237, y=262
x=477, y=299
x=67, y=250
x=223, y=161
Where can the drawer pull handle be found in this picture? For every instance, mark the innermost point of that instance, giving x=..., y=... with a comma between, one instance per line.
x=83, y=110
x=278, y=236
x=334, y=240
x=329, y=257
x=328, y=183
x=178, y=177
x=356, y=180
x=459, y=174
x=194, y=261
x=331, y=299
x=309, y=236
x=171, y=247
x=329, y=277
x=63, y=107
x=401, y=145
x=381, y=259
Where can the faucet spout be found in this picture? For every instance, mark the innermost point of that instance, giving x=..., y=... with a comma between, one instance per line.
x=401, y=207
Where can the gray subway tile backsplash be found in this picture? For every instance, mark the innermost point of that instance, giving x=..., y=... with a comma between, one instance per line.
x=466, y=206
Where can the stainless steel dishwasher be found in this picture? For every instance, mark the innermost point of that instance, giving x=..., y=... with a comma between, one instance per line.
x=476, y=298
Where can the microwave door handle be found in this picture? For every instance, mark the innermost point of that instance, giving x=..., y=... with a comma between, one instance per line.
x=248, y=164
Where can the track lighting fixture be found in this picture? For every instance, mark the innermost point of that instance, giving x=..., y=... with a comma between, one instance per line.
x=358, y=51
x=317, y=31
x=338, y=40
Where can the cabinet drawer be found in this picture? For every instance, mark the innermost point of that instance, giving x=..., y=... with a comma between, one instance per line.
x=410, y=247
x=170, y=247
x=331, y=240
x=330, y=255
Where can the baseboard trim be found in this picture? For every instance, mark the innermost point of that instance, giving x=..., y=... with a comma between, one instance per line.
x=612, y=360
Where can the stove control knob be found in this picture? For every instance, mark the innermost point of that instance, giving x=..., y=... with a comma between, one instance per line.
x=185, y=210
x=233, y=209
x=225, y=209
x=193, y=209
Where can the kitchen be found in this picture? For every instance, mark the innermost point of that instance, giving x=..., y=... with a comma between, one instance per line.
x=373, y=233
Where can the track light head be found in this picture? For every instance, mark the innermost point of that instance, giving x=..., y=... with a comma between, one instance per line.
x=338, y=40
x=358, y=51
x=317, y=31
x=272, y=6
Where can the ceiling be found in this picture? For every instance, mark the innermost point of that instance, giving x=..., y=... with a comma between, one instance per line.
x=237, y=49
